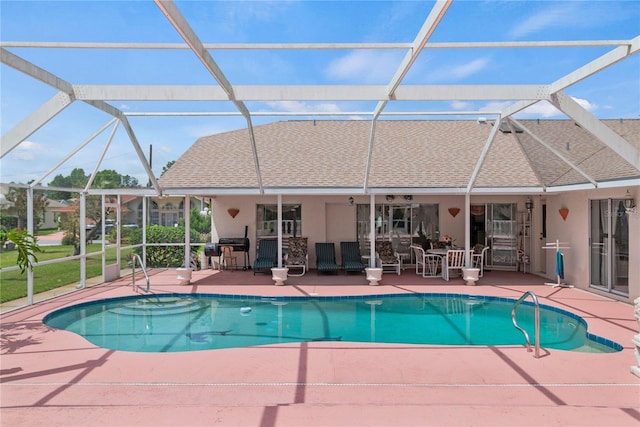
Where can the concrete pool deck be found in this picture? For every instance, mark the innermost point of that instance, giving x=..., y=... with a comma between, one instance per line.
x=52, y=377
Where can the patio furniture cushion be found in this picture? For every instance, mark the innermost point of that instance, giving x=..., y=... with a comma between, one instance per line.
x=326, y=257
x=297, y=256
x=351, y=258
x=386, y=256
x=267, y=255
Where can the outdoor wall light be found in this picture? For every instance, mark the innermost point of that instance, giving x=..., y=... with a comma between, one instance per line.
x=351, y=201
x=390, y=197
x=529, y=205
x=408, y=197
x=629, y=203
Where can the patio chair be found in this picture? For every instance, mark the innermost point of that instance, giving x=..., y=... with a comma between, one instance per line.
x=297, y=257
x=400, y=248
x=267, y=255
x=431, y=263
x=326, y=258
x=454, y=260
x=386, y=257
x=351, y=257
x=477, y=257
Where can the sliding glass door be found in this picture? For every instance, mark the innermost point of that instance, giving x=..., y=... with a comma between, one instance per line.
x=402, y=224
x=609, y=237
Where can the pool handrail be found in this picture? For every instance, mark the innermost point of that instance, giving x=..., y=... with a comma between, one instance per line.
x=536, y=306
x=133, y=272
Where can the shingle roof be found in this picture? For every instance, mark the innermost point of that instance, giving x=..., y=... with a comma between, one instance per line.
x=424, y=155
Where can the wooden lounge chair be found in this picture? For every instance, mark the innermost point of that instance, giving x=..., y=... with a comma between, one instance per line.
x=326, y=258
x=297, y=257
x=266, y=257
x=351, y=258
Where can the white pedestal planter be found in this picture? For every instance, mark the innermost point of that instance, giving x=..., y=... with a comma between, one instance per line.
x=470, y=275
x=184, y=275
x=279, y=275
x=374, y=275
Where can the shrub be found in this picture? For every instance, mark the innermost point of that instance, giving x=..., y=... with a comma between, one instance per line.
x=164, y=256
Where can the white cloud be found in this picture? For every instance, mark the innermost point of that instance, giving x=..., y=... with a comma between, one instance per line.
x=468, y=69
x=496, y=106
x=555, y=16
x=298, y=106
x=376, y=67
x=460, y=105
x=546, y=109
x=28, y=150
x=459, y=72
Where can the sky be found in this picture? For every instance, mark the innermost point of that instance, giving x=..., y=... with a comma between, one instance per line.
x=611, y=93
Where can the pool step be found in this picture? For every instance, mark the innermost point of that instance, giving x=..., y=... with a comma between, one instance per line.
x=158, y=306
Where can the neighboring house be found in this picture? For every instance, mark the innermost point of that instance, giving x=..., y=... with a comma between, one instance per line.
x=419, y=172
x=165, y=211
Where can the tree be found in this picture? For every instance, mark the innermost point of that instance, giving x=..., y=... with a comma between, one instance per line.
x=167, y=167
x=77, y=179
x=19, y=197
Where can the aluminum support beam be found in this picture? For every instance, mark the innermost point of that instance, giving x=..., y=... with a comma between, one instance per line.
x=73, y=152
x=311, y=93
x=141, y=155
x=100, y=159
x=34, y=121
x=311, y=46
x=604, y=61
x=627, y=49
x=591, y=124
x=174, y=16
x=68, y=90
x=483, y=154
x=430, y=24
x=556, y=152
x=524, y=152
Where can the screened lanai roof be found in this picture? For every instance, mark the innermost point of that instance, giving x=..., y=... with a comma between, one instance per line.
x=393, y=123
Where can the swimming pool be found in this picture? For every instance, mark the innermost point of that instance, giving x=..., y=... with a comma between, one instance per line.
x=192, y=322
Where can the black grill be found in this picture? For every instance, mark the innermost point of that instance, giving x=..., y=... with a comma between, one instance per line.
x=239, y=244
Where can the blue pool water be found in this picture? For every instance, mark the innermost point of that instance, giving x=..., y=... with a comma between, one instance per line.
x=187, y=322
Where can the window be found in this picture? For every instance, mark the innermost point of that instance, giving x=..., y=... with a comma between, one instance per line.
x=267, y=220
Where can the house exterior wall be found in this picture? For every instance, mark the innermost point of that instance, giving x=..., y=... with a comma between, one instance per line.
x=330, y=218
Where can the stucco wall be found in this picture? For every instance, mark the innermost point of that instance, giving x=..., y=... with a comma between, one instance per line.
x=574, y=230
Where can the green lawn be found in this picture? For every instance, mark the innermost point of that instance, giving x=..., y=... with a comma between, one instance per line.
x=13, y=284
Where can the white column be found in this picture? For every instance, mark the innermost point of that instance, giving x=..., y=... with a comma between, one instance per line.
x=467, y=228
x=83, y=240
x=187, y=231
x=30, y=230
x=279, y=230
x=372, y=231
